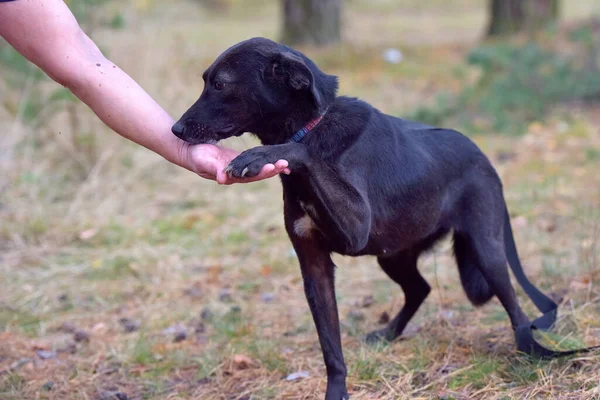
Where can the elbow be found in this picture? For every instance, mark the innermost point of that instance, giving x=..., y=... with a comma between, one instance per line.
x=356, y=235
x=356, y=243
x=70, y=66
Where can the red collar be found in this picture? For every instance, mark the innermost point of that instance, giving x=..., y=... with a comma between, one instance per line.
x=298, y=136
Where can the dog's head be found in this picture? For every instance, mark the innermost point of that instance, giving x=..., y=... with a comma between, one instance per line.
x=256, y=86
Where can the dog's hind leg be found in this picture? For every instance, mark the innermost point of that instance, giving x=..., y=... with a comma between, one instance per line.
x=402, y=269
x=491, y=259
x=474, y=283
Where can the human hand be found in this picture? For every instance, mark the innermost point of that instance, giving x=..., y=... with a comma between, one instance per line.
x=209, y=161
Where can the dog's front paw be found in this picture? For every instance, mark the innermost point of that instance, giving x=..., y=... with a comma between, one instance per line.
x=249, y=163
x=337, y=392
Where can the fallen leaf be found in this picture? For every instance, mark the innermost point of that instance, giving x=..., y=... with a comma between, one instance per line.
x=45, y=354
x=194, y=291
x=68, y=327
x=447, y=314
x=178, y=331
x=99, y=327
x=129, y=325
x=214, y=273
x=536, y=127
x=113, y=396
x=88, y=234
x=81, y=336
x=267, y=297
x=297, y=375
x=266, y=270
x=69, y=347
x=225, y=295
x=546, y=225
x=504, y=156
x=190, y=221
x=519, y=221
x=384, y=318
x=19, y=363
x=356, y=315
x=206, y=314
x=366, y=302
x=180, y=336
x=242, y=361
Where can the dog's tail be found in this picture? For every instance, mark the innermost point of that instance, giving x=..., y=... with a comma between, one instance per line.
x=476, y=287
x=543, y=303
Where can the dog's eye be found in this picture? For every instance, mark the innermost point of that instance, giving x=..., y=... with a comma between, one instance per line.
x=219, y=85
x=277, y=69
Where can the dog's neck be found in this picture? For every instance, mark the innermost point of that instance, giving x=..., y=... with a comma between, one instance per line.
x=302, y=132
x=278, y=129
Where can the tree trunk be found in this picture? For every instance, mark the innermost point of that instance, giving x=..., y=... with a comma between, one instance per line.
x=511, y=16
x=316, y=22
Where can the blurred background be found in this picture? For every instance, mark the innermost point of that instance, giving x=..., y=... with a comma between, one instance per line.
x=125, y=277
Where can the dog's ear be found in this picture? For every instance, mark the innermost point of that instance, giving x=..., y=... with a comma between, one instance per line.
x=289, y=68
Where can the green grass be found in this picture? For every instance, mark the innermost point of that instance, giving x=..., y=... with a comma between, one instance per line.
x=23, y=321
x=142, y=351
x=268, y=353
x=207, y=364
x=478, y=376
x=365, y=367
x=11, y=385
x=233, y=324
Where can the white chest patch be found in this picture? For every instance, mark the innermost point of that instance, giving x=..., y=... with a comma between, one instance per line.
x=308, y=208
x=304, y=226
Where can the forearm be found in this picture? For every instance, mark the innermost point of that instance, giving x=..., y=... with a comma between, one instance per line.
x=127, y=109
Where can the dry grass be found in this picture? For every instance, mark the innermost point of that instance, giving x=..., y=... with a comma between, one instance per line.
x=122, y=234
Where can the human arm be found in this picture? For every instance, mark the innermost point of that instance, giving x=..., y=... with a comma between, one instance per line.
x=48, y=35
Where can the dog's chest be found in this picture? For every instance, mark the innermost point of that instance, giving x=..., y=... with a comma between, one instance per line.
x=307, y=224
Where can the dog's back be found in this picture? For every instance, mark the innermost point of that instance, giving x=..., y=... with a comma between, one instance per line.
x=411, y=175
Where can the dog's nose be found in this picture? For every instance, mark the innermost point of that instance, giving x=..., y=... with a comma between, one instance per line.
x=177, y=129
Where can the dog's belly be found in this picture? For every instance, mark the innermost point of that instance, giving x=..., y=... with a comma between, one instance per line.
x=387, y=237
x=394, y=239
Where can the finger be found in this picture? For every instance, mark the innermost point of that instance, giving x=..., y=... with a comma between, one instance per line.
x=223, y=178
x=281, y=170
x=280, y=164
x=267, y=171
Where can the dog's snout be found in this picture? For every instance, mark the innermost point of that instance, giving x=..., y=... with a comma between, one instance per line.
x=177, y=129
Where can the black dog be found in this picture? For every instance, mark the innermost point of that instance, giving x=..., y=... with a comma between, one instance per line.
x=362, y=182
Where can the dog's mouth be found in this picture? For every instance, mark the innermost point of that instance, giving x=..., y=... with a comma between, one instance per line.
x=203, y=135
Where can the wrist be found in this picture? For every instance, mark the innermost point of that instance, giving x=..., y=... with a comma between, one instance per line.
x=182, y=156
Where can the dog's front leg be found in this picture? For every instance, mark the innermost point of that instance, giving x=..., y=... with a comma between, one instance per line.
x=250, y=162
x=318, y=274
x=347, y=211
